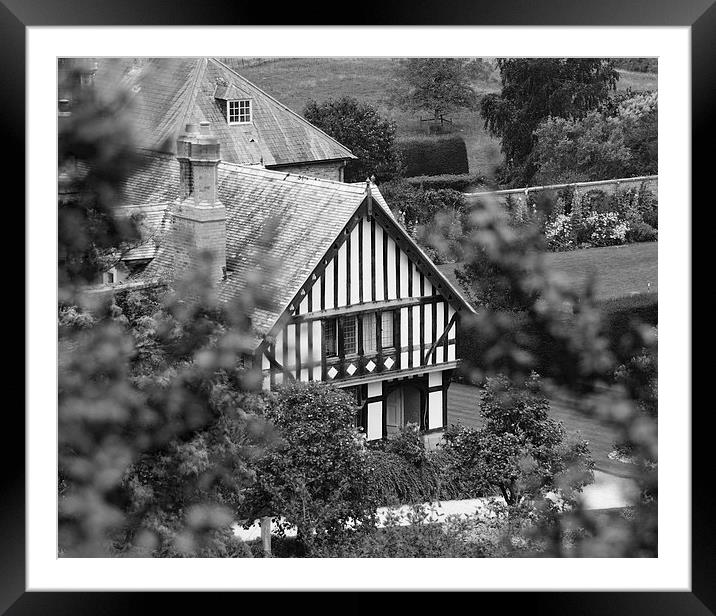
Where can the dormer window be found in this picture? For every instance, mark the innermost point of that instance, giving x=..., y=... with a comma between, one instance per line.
x=238, y=112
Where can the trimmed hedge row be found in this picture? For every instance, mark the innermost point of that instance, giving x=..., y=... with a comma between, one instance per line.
x=453, y=181
x=618, y=315
x=434, y=155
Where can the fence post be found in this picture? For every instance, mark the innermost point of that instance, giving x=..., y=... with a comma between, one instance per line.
x=266, y=535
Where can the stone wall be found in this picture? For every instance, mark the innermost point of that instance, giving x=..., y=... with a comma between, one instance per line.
x=648, y=182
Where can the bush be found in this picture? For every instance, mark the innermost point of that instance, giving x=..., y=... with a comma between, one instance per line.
x=417, y=535
x=453, y=181
x=648, y=207
x=408, y=444
x=395, y=480
x=433, y=217
x=597, y=201
x=641, y=232
x=559, y=233
x=603, y=229
x=403, y=472
x=434, y=156
x=598, y=219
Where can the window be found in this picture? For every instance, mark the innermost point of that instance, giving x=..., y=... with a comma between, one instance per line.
x=350, y=335
x=239, y=112
x=330, y=346
x=369, y=335
x=387, y=338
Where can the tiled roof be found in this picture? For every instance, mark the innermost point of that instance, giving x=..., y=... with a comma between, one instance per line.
x=172, y=92
x=301, y=215
x=152, y=222
x=278, y=227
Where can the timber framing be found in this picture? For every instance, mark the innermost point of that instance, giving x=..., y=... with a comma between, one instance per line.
x=368, y=208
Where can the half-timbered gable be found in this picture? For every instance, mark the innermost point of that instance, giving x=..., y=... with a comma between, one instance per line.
x=374, y=310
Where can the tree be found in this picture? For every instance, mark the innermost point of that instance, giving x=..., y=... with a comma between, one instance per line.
x=315, y=477
x=535, y=89
x=436, y=85
x=156, y=416
x=520, y=451
x=604, y=144
x=361, y=129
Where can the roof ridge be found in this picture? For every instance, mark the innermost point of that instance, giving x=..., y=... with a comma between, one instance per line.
x=280, y=104
x=199, y=69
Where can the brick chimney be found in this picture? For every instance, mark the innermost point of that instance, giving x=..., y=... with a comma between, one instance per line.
x=199, y=217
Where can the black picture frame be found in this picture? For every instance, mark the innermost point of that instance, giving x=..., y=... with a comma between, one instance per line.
x=699, y=15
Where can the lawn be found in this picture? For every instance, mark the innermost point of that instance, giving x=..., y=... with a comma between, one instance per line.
x=295, y=81
x=618, y=271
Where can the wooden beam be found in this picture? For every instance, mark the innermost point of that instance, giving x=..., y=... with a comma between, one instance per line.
x=390, y=304
x=274, y=364
x=435, y=343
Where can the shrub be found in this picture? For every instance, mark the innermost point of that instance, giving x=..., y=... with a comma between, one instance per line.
x=559, y=233
x=603, y=229
x=403, y=472
x=433, y=217
x=641, y=232
x=408, y=444
x=394, y=480
x=434, y=155
x=597, y=201
x=648, y=207
x=452, y=181
x=416, y=534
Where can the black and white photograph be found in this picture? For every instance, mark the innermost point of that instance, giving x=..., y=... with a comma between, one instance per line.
x=358, y=307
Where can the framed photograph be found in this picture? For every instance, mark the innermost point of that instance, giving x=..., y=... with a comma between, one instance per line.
x=270, y=90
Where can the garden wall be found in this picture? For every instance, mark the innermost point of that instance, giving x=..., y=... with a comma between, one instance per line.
x=609, y=187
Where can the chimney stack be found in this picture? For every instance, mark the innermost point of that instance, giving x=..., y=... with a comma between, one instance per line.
x=200, y=218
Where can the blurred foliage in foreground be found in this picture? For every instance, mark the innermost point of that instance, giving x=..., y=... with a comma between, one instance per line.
x=156, y=410
x=162, y=428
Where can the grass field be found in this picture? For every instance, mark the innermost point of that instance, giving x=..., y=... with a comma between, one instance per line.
x=618, y=271
x=295, y=81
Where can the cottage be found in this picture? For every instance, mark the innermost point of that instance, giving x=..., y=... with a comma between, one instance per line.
x=354, y=301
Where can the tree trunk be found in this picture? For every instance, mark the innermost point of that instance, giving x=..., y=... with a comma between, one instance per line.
x=266, y=535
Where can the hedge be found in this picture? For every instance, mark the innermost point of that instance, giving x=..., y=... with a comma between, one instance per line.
x=618, y=314
x=453, y=181
x=434, y=156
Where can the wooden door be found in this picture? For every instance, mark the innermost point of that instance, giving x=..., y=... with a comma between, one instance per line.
x=394, y=411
